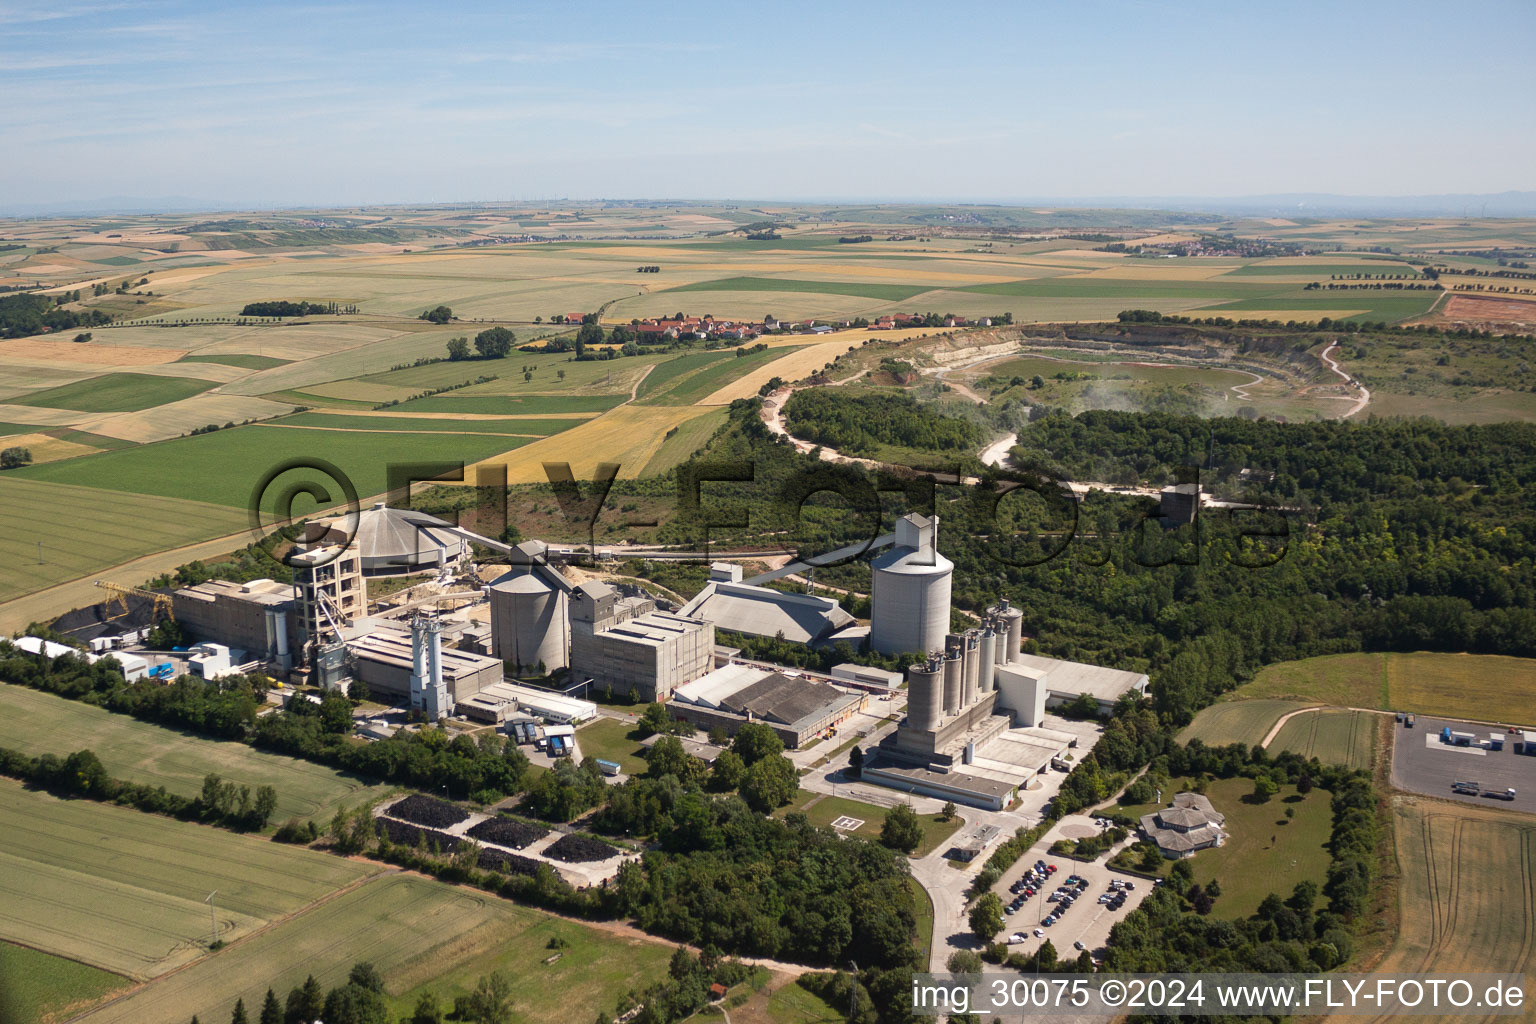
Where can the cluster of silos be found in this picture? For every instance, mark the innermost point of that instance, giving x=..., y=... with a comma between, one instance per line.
x=964, y=670
x=910, y=590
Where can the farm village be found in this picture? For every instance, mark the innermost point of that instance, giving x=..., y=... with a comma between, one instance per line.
x=1072, y=526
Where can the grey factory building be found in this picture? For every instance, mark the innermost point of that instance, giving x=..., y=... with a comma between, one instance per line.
x=624, y=643
x=762, y=611
x=796, y=708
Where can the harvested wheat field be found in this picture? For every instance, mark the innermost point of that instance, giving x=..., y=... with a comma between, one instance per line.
x=89, y=353
x=1468, y=891
x=48, y=449
x=791, y=367
x=629, y=435
x=181, y=417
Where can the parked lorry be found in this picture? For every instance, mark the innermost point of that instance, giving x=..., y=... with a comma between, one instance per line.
x=1408, y=722
x=1456, y=739
x=1467, y=788
x=1499, y=794
x=162, y=670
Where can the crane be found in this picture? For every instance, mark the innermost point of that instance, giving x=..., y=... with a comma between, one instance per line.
x=118, y=594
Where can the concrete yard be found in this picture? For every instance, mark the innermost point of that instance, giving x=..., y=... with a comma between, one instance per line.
x=1421, y=763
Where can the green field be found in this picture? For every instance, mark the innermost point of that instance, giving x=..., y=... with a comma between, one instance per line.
x=41, y=723
x=124, y=891
x=691, y=436
x=1321, y=271
x=420, y=935
x=827, y=809
x=247, y=362
x=1479, y=687
x=413, y=424
x=668, y=372
x=528, y=405
x=81, y=530
x=612, y=740
x=222, y=468
x=116, y=392
x=1246, y=722
x=706, y=381
x=1333, y=736
x=1265, y=852
x=42, y=988
x=888, y=292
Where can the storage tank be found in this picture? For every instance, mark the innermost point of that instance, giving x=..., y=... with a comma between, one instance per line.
x=1013, y=629
x=988, y=661
x=910, y=590
x=972, y=677
x=954, y=672
x=529, y=622
x=925, y=695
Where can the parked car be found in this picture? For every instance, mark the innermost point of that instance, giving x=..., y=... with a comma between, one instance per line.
x=1079, y=944
x=1049, y=921
x=1039, y=932
x=1018, y=937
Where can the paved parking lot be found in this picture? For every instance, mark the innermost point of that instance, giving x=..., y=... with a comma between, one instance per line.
x=1087, y=921
x=1423, y=764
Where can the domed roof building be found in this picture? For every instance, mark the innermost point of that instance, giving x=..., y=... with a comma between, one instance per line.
x=400, y=542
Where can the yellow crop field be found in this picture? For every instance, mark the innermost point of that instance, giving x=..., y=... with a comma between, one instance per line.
x=48, y=449
x=92, y=353
x=790, y=367
x=1139, y=270
x=1468, y=891
x=629, y=435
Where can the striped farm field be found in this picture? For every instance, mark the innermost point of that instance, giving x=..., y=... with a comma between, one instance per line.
x=224, y=467
x=690, y=437
x=408, y=424
x=39, y=723
x=630, y=435
x=469, y=403
x=800, y=362
x=81, y=530
x=421, y=935
x=1332, y=735
x=862, y=289
x=124, y=891
x=708, y=378
x=1466, y=894
x=247, y=362
x=1244, y=721
x=116, y=392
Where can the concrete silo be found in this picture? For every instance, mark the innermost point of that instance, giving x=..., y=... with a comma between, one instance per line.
x=988, y=680
x=954, y=680
x=972, y=655
x=925, y=695
x=529, y=622
x=1011, y=633
x=910, y=590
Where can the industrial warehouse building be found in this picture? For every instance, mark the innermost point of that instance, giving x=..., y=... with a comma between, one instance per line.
x=384, y=661
x=624, y=644
x=763, y=611
x=796, y=708
x=499, y=701
x=256, y=617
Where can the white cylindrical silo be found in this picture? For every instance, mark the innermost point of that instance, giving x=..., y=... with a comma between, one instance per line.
x=910, y=593
x=925, y=695
x=954, y=671
x=972, y=674
x=528, y=622
x=988, y=661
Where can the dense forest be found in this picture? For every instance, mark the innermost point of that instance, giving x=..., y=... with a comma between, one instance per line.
x=858, y=423
x=21, y=315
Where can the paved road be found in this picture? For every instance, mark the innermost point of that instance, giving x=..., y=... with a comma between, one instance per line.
x=1422, y=764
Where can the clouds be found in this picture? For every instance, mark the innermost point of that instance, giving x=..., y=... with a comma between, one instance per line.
x=399, y=102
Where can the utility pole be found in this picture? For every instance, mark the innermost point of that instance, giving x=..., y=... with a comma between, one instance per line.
x=213, y=922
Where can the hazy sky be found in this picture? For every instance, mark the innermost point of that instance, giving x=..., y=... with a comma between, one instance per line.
x=400, y=102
